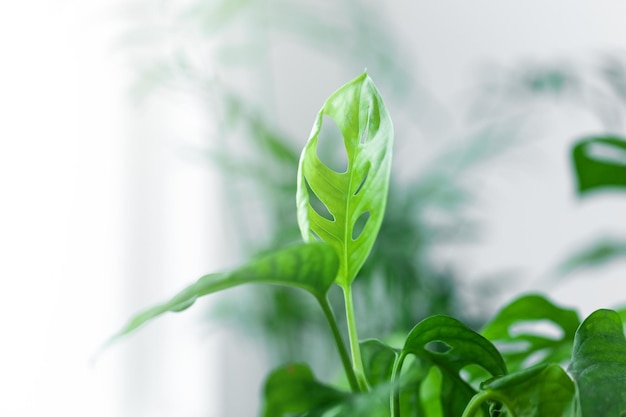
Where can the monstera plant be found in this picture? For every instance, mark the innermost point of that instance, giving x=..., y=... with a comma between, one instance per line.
x=442, y=368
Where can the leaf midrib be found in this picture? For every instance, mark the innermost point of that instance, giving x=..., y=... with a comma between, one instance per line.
x=347, y=232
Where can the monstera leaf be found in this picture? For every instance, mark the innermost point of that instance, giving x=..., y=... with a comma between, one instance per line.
x=540, y=391
x=308, y=266
x=600, y=163
x=356, y=195
x=516, y=330
x=599, y=365
x=449, y=346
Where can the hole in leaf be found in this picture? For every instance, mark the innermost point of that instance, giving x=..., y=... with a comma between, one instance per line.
x=359, y=225
x=315, y=235
x=517, y=346
x=474, y=374
x=330, y=147
x=367, y=172
x=365, y=134
x=543, y=328
x=607, y=153
x=535, y=358
x=437, y=346
x=317, y=204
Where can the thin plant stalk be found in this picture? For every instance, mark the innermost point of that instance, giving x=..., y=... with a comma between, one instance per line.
x=355, y=349
x=395, y=386
x=343, y=353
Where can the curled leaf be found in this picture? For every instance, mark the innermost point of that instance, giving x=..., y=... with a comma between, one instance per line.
x=539, y=391
x=450, y=346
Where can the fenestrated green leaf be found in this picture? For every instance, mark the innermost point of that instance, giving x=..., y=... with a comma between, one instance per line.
x=292, y=390
x=541, y=391
x=359, y=112
x=309, y=266
x=449, y=345
x=599, y=365
x=514, y=330
x=600, y=162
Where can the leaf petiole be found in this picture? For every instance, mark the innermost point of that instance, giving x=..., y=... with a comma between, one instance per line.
x=355, y=349
x=395, y=385
x=343, y=353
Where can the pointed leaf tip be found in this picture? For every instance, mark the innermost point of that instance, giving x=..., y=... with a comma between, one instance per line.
x=308, y=266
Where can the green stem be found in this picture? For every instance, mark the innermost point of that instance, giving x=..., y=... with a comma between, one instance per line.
x=477, y=401
x=395, y=386
x=355, y=349
x=341, y=347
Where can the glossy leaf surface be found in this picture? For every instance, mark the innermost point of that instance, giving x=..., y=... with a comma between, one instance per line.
x=540, y=391
x=600, y=162
x=360, y=192
x=516, y=330
x=599, y=365
x=449, y=345
x=292, y=390
x=310, y=266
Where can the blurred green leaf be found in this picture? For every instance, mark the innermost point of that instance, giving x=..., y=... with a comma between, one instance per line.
x=449, y=345
x=292, y=390
x=600, y=162
x=515, y=330
x=541, y=391
x=614, y=72
x=599, y=365
x=310, y=266
x=360, y=192
x=595, y=254
x=547, y=80
x=378, y=360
